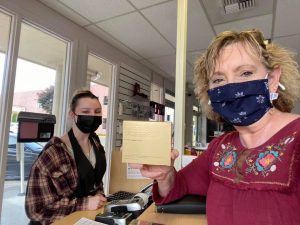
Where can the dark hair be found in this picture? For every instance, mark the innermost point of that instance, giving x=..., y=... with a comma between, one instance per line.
x=84, y=93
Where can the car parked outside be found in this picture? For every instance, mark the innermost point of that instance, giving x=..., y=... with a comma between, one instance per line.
x=31, y=152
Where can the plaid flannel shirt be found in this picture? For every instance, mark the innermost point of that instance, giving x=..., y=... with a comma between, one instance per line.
x=52, y=182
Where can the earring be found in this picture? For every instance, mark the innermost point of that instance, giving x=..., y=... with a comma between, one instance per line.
x=273, y=96
x=281, y=86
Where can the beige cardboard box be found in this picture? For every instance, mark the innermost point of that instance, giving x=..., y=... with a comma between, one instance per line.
x=146, y=142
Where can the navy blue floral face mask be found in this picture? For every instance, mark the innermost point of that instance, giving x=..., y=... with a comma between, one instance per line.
x=241, y=104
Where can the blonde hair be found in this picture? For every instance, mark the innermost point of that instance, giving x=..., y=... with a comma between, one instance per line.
x=270, y=55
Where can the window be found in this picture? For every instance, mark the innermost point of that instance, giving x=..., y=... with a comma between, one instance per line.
x=169, y=108
x=99, y=76
x=197, y=125
x=39, y=82
x=170, y=111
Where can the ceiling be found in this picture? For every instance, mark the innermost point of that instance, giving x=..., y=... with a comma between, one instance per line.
x=146, y=29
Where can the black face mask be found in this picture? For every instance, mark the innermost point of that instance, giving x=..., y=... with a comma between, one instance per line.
x=88, y=124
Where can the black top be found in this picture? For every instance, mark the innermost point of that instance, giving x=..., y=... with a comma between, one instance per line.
x=89, y=178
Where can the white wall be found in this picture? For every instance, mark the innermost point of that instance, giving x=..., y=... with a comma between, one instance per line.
x=169, y=85
x=157, y=79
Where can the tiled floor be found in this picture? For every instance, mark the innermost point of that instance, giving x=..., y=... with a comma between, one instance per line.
x=13, y=211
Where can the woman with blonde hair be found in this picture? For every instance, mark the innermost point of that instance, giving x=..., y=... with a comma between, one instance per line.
x=251, y=175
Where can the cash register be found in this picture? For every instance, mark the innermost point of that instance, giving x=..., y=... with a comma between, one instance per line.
x=125, y=206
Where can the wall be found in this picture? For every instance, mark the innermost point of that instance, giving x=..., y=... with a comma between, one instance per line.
x=170, y=86
x=157, y=79
x=119, y=179
x=131, y=106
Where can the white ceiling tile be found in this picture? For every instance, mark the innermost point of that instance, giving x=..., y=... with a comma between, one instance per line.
x=67, y=12
x=166, y=63
x=145, y=3
x=97, y=10
x=287, y=17
x=199, y=30
x=155, y=68
x=136, y=33
x=106, y=37
x=167, y=13
x=262, y=23
x=192, y=56
x=147, y=63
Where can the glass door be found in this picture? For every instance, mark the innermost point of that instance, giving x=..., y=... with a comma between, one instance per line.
x=99, y=78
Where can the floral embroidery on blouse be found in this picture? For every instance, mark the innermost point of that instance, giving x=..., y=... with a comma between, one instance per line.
x=226, y=158
x=260, y=162
x=264, y=162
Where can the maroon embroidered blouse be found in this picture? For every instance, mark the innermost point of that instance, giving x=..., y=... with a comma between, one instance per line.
x=258, y=186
